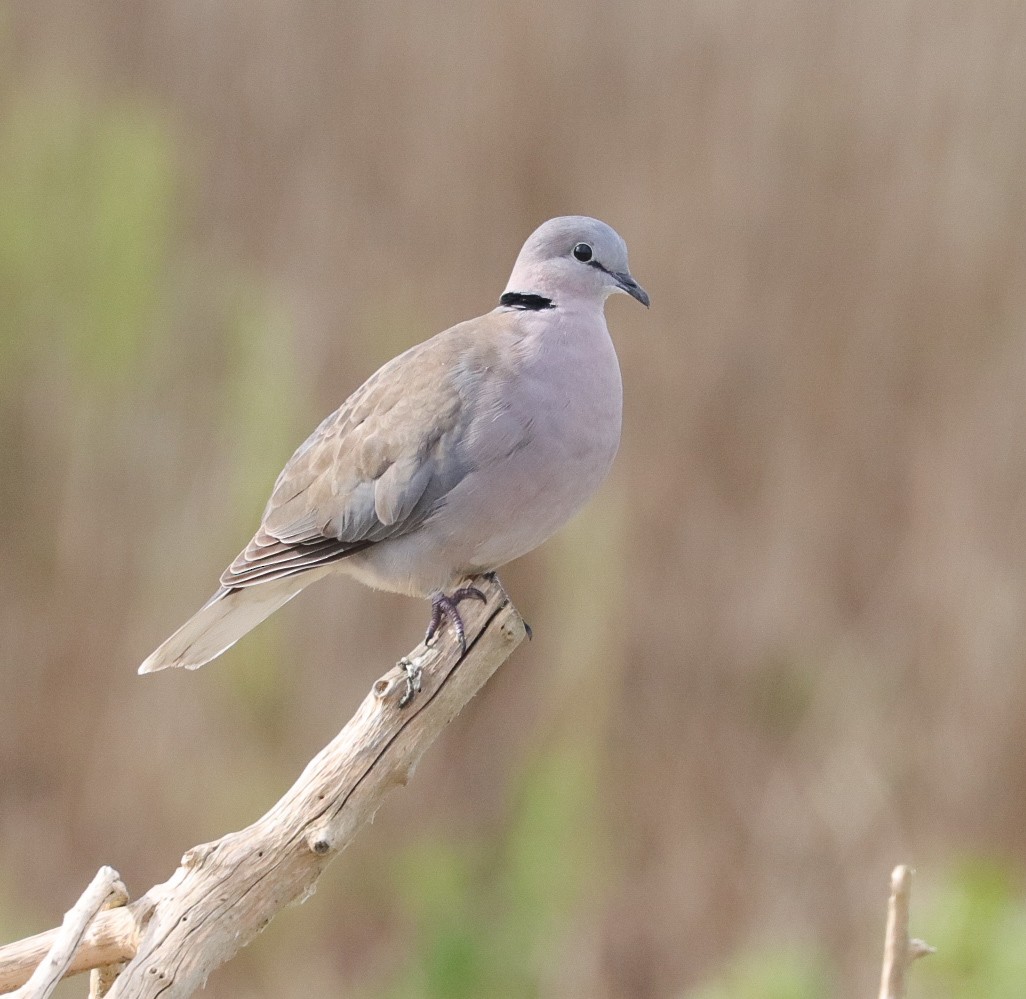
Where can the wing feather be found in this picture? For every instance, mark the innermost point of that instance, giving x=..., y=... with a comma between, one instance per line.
x=373, y=469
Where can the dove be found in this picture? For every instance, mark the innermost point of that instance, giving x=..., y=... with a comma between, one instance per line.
x=461, y=454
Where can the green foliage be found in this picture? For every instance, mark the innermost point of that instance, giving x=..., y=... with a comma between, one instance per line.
x=261, y=396
x=488, y=916
x=87, y=274
x=975, y=917
x=977, y=921
x=770, y=973
x=259, y=417
x=85, y=207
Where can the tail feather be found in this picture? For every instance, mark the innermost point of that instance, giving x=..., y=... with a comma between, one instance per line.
x=222, y=621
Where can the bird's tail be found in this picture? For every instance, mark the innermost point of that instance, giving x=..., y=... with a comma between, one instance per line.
x=223, y=620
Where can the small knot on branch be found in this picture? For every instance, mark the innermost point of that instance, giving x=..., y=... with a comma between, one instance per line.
x=195, y=856
x=320, y=840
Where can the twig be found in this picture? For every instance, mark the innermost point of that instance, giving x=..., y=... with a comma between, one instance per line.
x=226, y=892
x=899, y=950
x=102, y=978
x=66, y=940
x=111, y=937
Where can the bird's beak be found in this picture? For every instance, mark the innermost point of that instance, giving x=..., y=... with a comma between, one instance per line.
x=626, y=283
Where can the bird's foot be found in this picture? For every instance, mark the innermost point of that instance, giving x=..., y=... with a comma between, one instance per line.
x=447, y=608
x=414, y=671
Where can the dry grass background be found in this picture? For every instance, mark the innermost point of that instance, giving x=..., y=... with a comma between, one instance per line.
x=782, y=652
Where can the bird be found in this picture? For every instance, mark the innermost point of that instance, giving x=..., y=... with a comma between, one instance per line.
x=463, y=453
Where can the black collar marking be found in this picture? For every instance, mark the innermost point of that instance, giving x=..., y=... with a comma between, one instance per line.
x=526, y=303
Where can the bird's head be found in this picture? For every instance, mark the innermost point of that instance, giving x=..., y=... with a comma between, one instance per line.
x=574, y=256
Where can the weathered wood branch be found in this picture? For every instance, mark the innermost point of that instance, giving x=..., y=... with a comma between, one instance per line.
x=226, y=892
x=65, y=941
x=111, y=937
x=899, y=950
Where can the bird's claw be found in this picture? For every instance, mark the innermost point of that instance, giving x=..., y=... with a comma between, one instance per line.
x=413, y=672
x=447, y=608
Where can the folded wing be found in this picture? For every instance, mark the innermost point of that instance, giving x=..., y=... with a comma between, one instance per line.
x=372, y=470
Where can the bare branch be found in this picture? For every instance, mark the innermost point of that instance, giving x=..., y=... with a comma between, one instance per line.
x=65, y=941
x=112, y=937
x=899, y=950
x=226, y=892
x=102, y=978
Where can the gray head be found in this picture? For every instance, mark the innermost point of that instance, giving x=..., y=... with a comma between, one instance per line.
x=574, y=257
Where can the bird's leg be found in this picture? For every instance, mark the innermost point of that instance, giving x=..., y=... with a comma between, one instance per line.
x=413, y=671
x=447, y=608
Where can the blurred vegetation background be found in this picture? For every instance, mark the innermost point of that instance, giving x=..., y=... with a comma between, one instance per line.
x=783, y=651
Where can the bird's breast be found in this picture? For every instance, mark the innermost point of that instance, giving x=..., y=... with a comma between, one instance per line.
x=549, y=446
x=539, y=428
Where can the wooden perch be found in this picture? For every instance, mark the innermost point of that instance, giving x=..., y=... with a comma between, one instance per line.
x=226, y=892
x=899, y=950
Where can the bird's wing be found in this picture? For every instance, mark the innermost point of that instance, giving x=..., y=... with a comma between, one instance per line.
x=373, y=469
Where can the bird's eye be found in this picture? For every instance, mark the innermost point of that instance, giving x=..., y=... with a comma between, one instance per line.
x=582, y=251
